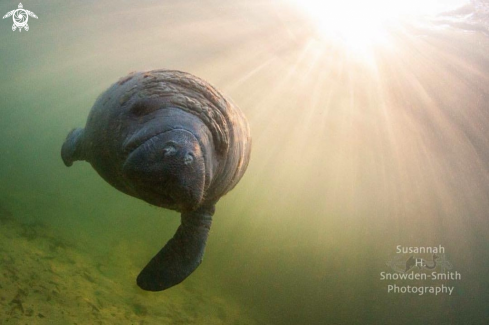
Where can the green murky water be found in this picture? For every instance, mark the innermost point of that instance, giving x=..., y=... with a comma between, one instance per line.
x=355, y=151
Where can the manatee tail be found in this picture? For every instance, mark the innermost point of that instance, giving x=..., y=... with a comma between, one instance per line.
x=181, y=255
x=72, y=149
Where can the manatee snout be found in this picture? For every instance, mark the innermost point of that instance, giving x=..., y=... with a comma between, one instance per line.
x=171, y=164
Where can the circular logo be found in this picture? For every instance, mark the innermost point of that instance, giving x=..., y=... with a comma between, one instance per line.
x=20, y=17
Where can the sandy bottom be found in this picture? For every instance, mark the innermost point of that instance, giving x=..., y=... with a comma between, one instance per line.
x=47, y=280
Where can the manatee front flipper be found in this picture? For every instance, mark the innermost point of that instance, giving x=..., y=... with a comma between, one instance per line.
x=181, y=255
x=72, y=149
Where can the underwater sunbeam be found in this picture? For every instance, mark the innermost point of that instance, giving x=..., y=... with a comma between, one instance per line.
x=359, y=24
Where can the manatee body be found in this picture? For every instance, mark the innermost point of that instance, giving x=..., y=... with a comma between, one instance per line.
x=172, y=140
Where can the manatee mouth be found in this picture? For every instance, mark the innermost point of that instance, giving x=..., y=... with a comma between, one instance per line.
x=165, y=168
x=164, y=199
x=156, y=193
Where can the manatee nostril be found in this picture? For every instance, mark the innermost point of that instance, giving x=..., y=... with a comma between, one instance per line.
x=169, y=150
x=188, y=159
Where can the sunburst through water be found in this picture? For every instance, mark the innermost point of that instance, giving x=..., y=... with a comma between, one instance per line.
x=362, y=24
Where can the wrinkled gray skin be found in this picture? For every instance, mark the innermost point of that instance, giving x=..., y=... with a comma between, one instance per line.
x=172, y=140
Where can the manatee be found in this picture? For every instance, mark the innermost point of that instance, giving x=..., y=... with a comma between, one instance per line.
x=171, y=139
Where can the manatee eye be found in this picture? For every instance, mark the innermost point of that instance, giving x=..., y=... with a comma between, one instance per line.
x=188, y=159
x=141, y=109
x=169, y=150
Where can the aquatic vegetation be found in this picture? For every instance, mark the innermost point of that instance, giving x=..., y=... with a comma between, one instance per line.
x=5, y=215
x=44, y=277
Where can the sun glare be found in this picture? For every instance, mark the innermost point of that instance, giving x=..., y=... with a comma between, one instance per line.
x=359, y=23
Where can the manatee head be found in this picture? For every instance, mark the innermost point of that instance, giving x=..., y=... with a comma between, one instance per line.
x=148, y=149
x=167, y=157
